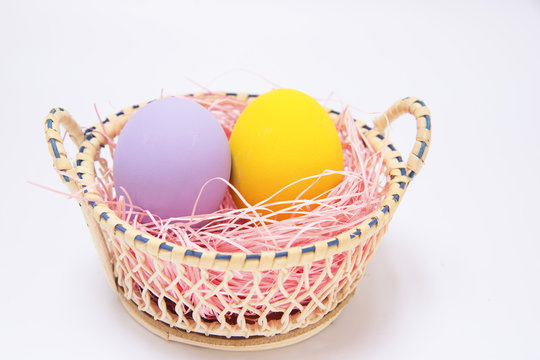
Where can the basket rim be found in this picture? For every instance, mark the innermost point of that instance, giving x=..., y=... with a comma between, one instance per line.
x=397, y=181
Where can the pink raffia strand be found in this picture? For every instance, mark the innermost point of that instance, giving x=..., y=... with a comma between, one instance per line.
x=230, y=229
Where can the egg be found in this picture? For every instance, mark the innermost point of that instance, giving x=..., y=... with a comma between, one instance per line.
x=166, y=152
x=283, y=136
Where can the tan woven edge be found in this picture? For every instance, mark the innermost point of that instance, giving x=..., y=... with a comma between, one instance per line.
x=421, y=112
x=234, y=343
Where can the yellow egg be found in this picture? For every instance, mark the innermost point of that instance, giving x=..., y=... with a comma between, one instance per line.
x=283, y=136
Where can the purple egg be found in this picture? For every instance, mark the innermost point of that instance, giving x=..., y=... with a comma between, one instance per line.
x=166, y=152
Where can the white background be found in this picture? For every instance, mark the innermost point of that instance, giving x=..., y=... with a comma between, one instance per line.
x=458, y=274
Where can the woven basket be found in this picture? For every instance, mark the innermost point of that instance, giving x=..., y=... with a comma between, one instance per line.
x=249, y=322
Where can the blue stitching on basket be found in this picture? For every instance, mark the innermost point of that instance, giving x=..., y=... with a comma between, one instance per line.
x=385, y=209
x=120, y=228
x=55, y=149
x=253, y=256
x=79, y=161
x=403, y=172
x=165, y=246
x=355, y=234
x=420, y=102
x=395, y=197
x=57, y=155
x=366, y=127
x=49, y=123
x=223, y=257
x=428, y=122
x=80, y=174
x=281, y=254
x=230, y=94
x=82, y=148
x=92, y=203
x=332, y=242
x=104, y=215
x=90, y=137
x=65, y=177
x=135, y=106
x=193, y=253
x=89, y=130
x=119, y=113
x=411, y=174
x=308, y=249
x=391, y=147
x=334, y=112
x=399, y=158
x=373, y=222
x=422, y=148
x=380, y=136
x=106, y=121
x=402, y=184
x=141, y=239
x=52, y=111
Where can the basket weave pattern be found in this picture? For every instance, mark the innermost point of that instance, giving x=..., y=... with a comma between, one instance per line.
x=163, y=290
x=152, y=273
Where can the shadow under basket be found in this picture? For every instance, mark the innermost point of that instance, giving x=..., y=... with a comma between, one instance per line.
x=136, y=263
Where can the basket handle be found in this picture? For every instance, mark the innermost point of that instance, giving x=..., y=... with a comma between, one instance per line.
x=59, y=117
x=55, y=118
x=420, y=111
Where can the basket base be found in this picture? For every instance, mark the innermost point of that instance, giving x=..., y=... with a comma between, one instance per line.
x=232, y=344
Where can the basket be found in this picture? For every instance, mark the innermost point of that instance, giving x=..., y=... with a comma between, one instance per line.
x=250, y=322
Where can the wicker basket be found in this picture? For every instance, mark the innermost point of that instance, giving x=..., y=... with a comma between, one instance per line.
x=248, y=322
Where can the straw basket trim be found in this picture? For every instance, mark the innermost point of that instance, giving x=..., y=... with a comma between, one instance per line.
x=91, y=141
